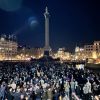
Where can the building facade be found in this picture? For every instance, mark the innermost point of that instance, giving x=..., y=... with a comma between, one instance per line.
x=63, y=54
x=92, y=51
x=31, y=52
x=88, y=49
x=96, y=46
x=79, y=53
x=8, y=48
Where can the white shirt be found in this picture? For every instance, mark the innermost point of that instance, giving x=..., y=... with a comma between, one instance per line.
x=85, y=89
x=89, y=86
x=13, y=85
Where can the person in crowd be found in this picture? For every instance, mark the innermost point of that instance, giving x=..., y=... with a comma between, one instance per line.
x=72, y=83
x=85, y=91
x=67, y=88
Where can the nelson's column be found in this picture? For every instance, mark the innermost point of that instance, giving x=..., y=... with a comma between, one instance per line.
x=47, y=47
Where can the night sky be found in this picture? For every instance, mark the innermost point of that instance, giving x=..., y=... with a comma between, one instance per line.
x=71, y=21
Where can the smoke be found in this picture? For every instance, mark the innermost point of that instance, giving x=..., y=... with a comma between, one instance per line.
x=10, y=5
x=32, y=21
x=30, y=24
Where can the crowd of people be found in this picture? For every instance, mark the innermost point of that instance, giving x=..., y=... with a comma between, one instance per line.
x=47, y=81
